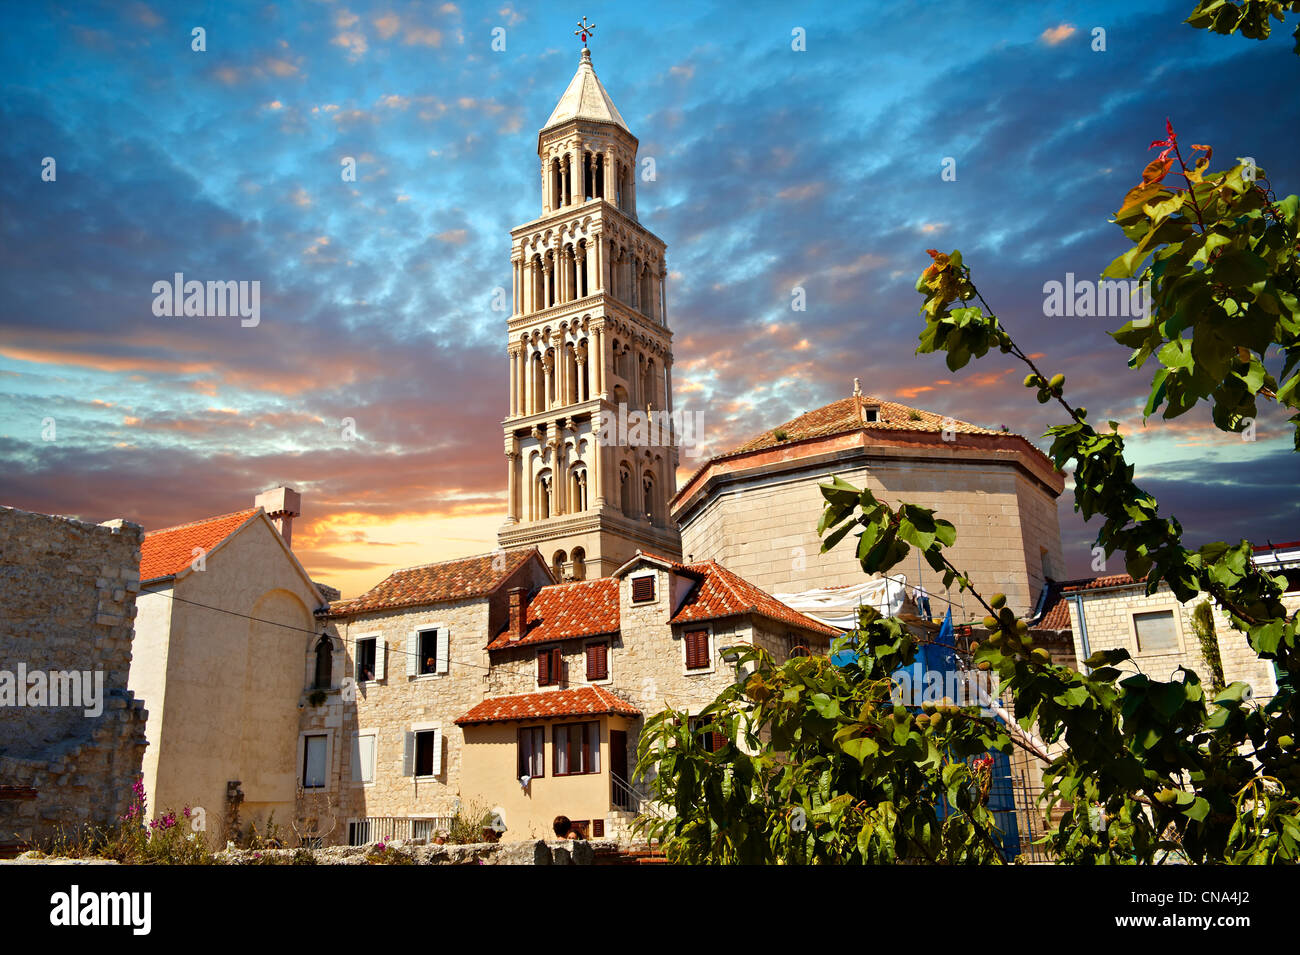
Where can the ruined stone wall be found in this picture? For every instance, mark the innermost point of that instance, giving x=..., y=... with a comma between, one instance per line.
x=67, y=603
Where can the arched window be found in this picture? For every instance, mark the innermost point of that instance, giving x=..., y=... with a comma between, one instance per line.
x=579, y=564
x=578, y=489
x=648, y=496
x=324, y=664
x=620, y=395
x=543, y=491
x=625, y=492
x=539, y=384
x=571, y=372
x=557, y=564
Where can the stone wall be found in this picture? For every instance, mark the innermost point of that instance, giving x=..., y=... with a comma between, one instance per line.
x=762, y=524
x=390, y=708
x=67, y=603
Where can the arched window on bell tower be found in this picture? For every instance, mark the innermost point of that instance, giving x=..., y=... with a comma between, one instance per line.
x=578, y=488
x=542, y=493
x=557, y=564
x=579, y=564
x=625, y=491
x=648, y=508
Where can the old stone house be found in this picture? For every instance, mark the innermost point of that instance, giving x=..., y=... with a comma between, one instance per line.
x=482, y=685
x=226, y=612
x=1114, y=611
x=72, y=735
x=385, y=682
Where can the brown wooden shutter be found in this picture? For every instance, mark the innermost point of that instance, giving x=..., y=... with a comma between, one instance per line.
x=543, y=667
x=719, y=740
x=643, y=589
x=697, y=649
x=557, y=666
x=597, y=828
x=597, y=661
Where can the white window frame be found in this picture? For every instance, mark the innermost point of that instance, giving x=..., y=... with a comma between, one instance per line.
x=713, y=650
x=408, y=754
x=356, y=756
x=644, y=603
x=1170, y=606
x=609, y=662
x=442, y=651
x=302, y=755
x=381, y=651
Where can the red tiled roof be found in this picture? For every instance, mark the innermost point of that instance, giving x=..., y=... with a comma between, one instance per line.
x=581, y=608
x=169, y=550
x=1056, y=610
x=445, y=581
x=723, y=594
x=848, y=415
x=583, y=701
x=1056, y=613
x=1098, y=583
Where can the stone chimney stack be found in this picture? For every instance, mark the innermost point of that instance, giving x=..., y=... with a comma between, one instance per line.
x=282, y=504
x=517, y=616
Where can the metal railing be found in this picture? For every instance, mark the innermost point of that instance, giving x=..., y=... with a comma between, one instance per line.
x=627, y=798
x=389, y=828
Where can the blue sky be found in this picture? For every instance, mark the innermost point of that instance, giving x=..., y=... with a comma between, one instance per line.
x=774, y=169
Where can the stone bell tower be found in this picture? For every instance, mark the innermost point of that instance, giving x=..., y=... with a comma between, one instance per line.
x=589, y=449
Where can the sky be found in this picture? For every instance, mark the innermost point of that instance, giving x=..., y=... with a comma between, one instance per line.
x=375, y=379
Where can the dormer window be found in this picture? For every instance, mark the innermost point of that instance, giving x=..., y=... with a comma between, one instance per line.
x=870, y=415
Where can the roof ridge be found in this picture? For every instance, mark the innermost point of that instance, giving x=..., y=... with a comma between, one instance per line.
x=457, y=560
x=203, y=520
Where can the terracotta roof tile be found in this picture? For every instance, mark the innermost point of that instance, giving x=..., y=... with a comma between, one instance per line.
x=559, y=611
x=441, y=582
x=591, y=607
x=169, y=550
x=1098, y=583
x=583, y=701
x=848, y=415
x=1056, y=609
x=723, y=594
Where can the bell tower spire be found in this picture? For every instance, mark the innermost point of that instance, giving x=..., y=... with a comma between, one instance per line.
x=591, y=460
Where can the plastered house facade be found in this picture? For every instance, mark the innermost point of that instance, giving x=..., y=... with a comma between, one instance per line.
x=225, y=612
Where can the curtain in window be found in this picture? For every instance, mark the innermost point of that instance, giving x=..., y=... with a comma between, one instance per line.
x=561, y=750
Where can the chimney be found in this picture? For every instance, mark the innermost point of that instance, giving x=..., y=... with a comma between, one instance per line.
x=516, y=626
x=282, y=504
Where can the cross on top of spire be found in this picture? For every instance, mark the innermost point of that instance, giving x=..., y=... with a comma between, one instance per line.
x=584, y=30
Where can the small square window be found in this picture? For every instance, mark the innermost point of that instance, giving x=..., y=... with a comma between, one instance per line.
x=643, y=589
x=1156, y=631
